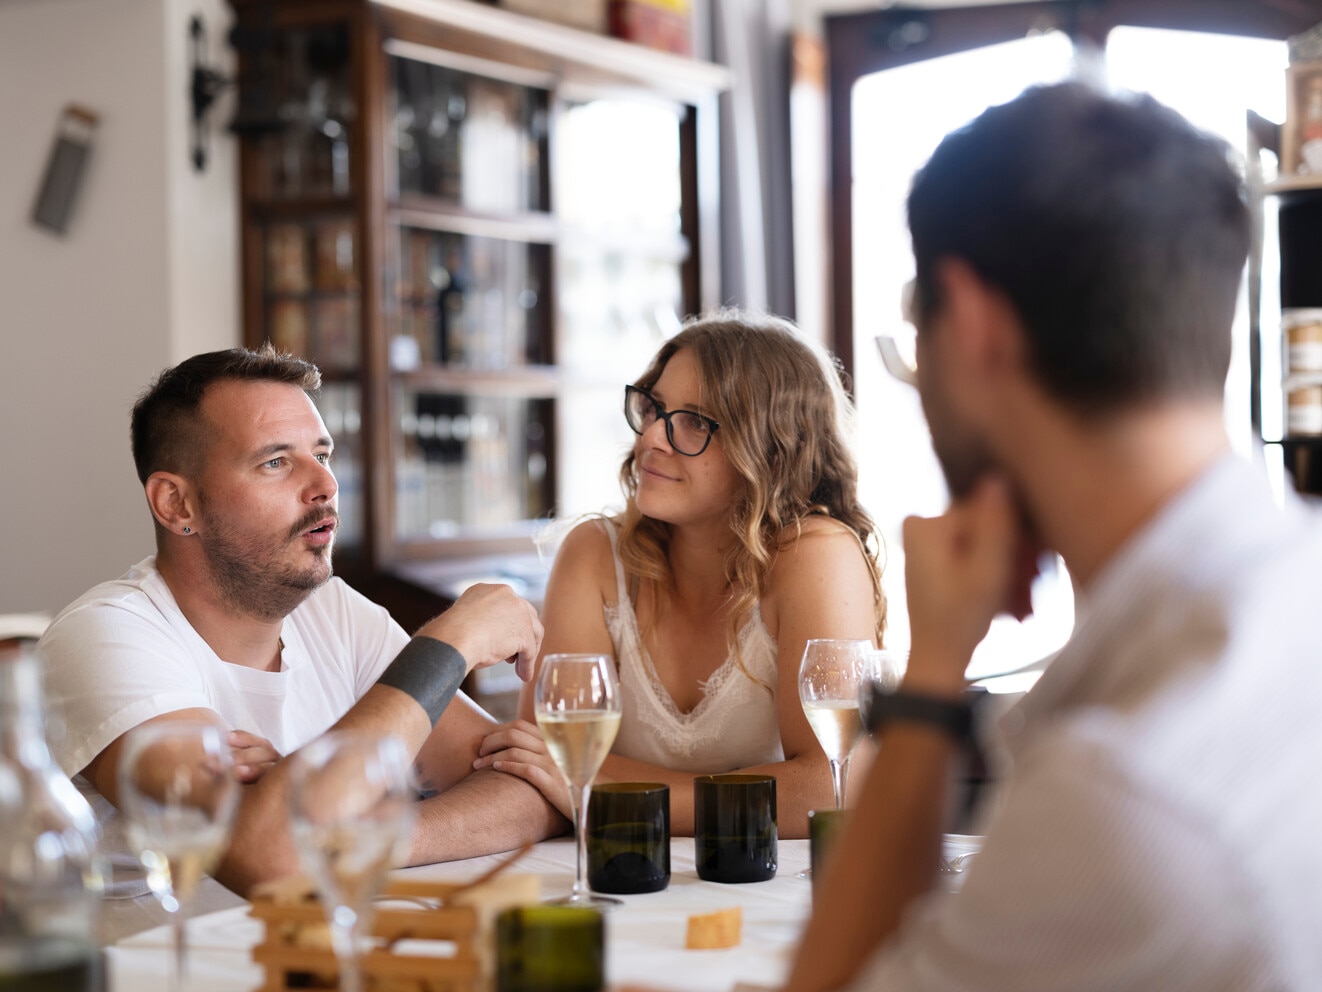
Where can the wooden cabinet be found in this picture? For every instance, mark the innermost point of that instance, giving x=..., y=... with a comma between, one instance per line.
x=1286, y=308
x=479, y=226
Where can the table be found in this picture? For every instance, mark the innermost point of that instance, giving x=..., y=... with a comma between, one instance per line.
x=644, y=937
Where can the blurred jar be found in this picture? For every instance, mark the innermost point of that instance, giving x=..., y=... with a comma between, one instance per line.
x=1304, y=411
x=1303, y=340
x=50, y=874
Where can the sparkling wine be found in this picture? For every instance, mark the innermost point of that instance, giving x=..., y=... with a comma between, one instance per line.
x=177, y=864
x=353, y=857
x=837, y=724
x=579, y=741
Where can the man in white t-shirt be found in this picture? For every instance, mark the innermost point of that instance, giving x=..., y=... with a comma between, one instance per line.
x=1079, y=259
x=237, y=620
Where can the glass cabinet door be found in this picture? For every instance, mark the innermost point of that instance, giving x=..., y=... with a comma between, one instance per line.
x=471, y=141
x=469, y=302
x=468, y=464
x=298, y=107
x=312, y=292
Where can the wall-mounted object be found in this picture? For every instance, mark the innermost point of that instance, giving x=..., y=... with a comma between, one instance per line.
x=205, y=84
x=64, y=169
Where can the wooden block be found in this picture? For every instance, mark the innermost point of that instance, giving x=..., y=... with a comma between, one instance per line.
x=434, y=937
x=714, y=930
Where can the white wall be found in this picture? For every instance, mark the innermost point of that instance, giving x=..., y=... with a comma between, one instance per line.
x=146, y=275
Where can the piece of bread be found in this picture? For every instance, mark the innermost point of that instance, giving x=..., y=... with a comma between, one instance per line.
x=712, y=930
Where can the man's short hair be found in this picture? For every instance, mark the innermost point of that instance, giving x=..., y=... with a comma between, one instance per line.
x=1116, y=229
x=166, y=431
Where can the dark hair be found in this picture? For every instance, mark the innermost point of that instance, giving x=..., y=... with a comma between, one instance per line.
x=1117, y=230
x=166, y=432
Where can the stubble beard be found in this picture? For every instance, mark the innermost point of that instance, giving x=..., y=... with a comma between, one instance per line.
x=256, y=580
x=963, y=455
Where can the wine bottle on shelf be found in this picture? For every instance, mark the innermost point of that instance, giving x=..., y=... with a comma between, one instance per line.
x=51, y=876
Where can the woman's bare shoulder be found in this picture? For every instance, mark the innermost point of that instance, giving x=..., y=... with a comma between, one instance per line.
x=817, y=529
x=820, y=541
x=586, y=552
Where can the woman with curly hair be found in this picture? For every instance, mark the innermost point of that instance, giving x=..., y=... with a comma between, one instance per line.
x=742, y=537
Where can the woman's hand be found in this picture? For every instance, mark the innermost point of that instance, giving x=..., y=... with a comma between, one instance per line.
x=253, y=756
x=518, y=749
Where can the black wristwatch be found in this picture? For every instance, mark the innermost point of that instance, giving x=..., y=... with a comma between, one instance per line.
x=953, y=716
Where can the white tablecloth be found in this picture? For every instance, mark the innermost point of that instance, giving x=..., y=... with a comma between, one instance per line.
x=644, y=937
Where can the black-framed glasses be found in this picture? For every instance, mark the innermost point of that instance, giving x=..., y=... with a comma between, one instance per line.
x=688, y=432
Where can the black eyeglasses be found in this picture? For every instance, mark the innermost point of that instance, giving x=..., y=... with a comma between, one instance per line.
x=688, y=432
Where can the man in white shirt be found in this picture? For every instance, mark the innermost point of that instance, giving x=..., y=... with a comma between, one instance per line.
x=1078, y=263
x=237, y=620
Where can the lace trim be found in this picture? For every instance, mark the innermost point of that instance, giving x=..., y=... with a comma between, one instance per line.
x=680, y=732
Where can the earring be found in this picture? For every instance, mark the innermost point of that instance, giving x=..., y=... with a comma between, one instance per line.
x=188, y=530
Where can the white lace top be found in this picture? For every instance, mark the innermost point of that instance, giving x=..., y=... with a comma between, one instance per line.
x=733, y=726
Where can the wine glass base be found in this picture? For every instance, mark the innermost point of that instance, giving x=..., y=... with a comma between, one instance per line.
x=589, y=900
x=806, y=873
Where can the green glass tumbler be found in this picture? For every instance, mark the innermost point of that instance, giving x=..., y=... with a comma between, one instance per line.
x=824, y=826
x=629, y=837
x=550, y=949
x=734, y=827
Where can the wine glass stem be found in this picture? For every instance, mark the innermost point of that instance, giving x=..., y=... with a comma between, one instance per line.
x=179, y=927
x=580, y=810
x=839, y=772
x=344, y=939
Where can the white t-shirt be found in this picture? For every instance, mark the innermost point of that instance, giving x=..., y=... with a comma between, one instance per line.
x=1159, y=828
x=123, y=653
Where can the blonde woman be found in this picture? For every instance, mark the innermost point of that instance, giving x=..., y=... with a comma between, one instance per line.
x=741, y=539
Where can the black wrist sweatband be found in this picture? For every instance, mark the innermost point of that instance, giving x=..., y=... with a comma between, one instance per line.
x=428, y=670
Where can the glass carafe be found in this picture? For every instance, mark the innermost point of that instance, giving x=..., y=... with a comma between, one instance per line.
x=50, y=874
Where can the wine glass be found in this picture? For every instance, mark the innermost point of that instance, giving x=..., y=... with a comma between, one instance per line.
x=829, y=680
x=884, y=672
x=351, y=806
x=178, y=794
x=578, y=711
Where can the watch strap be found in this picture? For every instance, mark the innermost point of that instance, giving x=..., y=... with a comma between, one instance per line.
x=953, y=716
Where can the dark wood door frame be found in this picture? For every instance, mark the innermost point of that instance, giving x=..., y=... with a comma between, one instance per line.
x=864, y=43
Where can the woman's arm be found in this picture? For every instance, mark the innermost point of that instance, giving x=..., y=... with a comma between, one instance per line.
x=582, y=581
x=819, y=587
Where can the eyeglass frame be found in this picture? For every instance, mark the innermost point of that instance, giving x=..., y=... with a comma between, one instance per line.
x=665, y=415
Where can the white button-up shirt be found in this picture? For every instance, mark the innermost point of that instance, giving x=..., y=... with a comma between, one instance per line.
x=1161, y=824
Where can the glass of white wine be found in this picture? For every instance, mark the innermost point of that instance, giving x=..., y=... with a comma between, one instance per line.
x=829, y=679
x=578, y=710
x=178, y=794
x=351, y=807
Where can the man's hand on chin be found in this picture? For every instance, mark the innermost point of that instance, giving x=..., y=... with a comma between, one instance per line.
x=963, y=568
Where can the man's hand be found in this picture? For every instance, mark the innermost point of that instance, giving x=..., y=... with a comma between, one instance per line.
x=489, y=624
x=253, y=756
x=961, y=569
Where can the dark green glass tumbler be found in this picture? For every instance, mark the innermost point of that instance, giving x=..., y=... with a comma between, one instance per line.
x=629, y=837
x=734, y=827
x=824, y=826
x=550, y=949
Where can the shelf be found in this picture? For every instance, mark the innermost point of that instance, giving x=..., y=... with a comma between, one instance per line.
x=430, y=214
x=565, y=54
x=1292, y=184
x=311, y=295
x=533, y=381
x=301, y=208
x=590, y=242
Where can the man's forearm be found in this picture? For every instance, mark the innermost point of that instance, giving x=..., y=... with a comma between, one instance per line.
x=261, y=847
x=885, y=859
x=485, y=813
